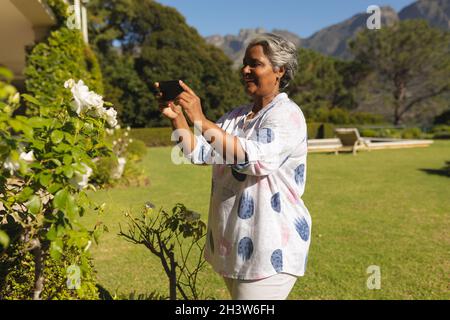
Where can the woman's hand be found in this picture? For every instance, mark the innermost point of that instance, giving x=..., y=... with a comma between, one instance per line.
x=190, y=103
x=168, y=108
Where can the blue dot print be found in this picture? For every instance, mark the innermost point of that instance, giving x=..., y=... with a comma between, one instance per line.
x=302, y=228
x=211, y=241
x=265, y=135
x=277, y=260
x=238, y=176
x=300, y=174
x=275, y=202
x=246, y=206
x=245, y=248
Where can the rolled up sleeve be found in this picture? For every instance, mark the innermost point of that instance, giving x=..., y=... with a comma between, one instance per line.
x=270, y=145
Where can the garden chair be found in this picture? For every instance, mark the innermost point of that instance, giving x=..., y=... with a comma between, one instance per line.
x=350, y=139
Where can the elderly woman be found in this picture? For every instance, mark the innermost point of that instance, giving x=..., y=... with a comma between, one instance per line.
x=258, y=227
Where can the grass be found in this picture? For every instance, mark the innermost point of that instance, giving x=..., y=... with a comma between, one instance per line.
x=389, y=208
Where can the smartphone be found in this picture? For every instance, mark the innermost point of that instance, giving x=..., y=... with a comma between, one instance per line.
x=170, y=89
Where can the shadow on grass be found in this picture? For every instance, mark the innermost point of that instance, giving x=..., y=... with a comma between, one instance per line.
x=445, y=171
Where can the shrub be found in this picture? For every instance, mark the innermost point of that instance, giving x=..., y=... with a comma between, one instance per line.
x=412, y=133
x=43, y=173
x=343, y=116
x=441, y=132
x=153, y=137
x=136, y=150
x=62, y=56
x=17, y=276
x=320, y=130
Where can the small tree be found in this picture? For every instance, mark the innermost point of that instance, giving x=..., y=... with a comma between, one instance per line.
x=165, y=235
x=411, y=61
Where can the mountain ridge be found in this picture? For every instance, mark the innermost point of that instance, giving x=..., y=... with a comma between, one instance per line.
x=332, y=40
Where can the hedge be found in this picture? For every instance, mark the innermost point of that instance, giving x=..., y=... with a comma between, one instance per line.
x=158, y=137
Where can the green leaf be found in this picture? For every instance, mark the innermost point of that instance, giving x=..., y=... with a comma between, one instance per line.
x=25, y=194
x=4, y=239
x=31, y=99
x=67, y=159
x=69, y=138
x=45, y=179
x=57, y=162
x=54, y=187
x=57, y=136
x=51, y=234
x=62, y=148
x=56, y=249
x=34, y=205
x=66, y=203
x=68, y=171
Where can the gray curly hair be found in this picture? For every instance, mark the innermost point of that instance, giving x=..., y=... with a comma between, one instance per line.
x=280, y=52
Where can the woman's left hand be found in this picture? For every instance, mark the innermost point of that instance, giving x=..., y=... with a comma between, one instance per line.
x=191, y=104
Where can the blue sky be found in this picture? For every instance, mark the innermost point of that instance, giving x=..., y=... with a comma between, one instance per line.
x=303, y=17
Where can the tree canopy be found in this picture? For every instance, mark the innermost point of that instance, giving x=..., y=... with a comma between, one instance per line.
x=142, y=42
x=411, y=61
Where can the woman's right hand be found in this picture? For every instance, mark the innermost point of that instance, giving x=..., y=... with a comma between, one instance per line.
x=168, y=108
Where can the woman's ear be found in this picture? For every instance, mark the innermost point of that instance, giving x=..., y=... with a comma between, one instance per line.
x=280, y=71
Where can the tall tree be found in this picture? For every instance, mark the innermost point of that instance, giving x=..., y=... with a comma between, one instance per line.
x=324, y=82
x=411, y=61
x=140, y=42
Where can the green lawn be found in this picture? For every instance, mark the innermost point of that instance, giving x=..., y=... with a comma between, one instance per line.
x=389, y=208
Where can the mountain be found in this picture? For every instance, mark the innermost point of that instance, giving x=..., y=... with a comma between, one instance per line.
x=333, y=40
x=436, y=12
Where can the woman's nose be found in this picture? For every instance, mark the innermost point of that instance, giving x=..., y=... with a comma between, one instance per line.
x=245, y=69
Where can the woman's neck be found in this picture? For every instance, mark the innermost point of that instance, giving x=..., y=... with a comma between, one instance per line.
x=260, y=102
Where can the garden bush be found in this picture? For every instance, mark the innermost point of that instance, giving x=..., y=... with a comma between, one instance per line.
x=45, y=167
x=62, y=56
x=153, y=137
x=441, y=131
x=320, y=130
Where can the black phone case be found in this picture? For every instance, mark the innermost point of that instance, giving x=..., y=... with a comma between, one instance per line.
x=170, y=89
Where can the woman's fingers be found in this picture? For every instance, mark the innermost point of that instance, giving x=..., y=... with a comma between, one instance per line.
x=186, y=88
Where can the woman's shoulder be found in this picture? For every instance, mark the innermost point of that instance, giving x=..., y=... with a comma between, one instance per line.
x=288, y=109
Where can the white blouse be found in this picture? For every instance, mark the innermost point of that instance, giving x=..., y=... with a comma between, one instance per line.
x=258, y=224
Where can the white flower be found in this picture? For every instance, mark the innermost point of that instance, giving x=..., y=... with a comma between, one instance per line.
x=117, y=127
x=11, y=165
x=85, y=100
x=117, y=173
x=69, y=84
x=109, y=132
x=111, y=115
x=131, y=140
x=126, y=134
x=15, y=99
x=79, y=179
x=28, y=157
x=128, y=128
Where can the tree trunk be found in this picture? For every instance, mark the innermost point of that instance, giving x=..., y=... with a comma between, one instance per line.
x=399, y=96
x=173, y=277
x=38, y=270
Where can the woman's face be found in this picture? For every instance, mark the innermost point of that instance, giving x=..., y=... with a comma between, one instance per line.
x=258, y=74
